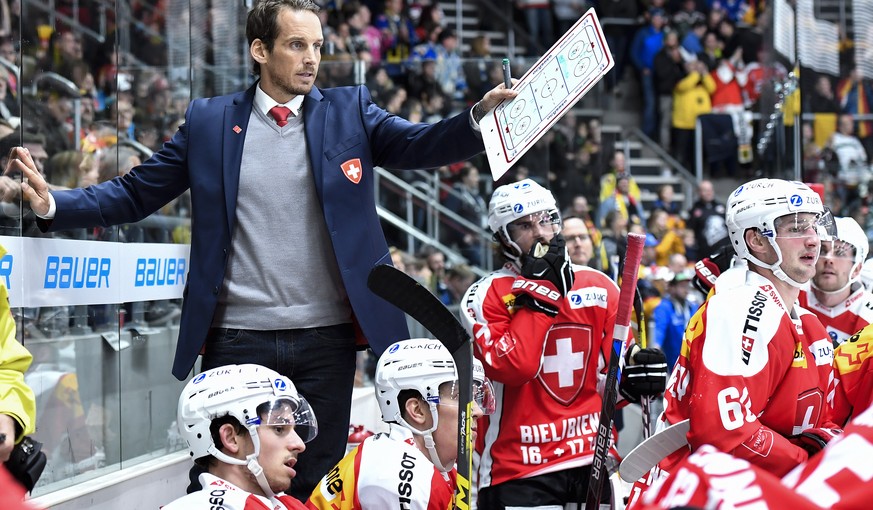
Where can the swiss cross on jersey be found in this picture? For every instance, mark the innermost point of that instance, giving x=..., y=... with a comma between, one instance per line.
x=353, y=170
x=748, y=343
x=565, y=361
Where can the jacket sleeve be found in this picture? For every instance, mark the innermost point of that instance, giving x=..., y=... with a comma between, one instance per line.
x=16, y=397
x=509, y=341
x=688, y=82
x=709, y=83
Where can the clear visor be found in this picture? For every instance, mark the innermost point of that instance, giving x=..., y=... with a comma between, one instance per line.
x=483, y=395
x=295, y=412
x=804, y=225
x=534, y=223
x=837, y=250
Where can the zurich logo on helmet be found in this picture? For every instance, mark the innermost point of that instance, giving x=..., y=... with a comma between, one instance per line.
x=523, y=185
x=280, y=384
x=738, y=191
x=199, y=378
x=517, y=208
x=394, y=348
x=796, y=200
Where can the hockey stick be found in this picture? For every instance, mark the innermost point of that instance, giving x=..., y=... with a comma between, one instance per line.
x=402, y=291
x=599, y=473
x=653, y=450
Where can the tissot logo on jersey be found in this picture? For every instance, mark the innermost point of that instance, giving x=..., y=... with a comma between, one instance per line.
x=404, y=488
x=216, y=499
x=753, y=318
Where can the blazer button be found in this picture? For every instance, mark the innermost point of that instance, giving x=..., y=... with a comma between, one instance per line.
x=215, y=290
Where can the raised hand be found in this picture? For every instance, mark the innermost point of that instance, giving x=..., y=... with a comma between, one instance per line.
x=34, y=189
x=545, y=278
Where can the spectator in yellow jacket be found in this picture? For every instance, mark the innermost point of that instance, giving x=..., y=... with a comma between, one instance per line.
x=618, y=166
x=691, y=98
x=669, y=236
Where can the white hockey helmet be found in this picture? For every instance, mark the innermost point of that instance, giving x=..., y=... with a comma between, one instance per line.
x=423, y=365
x=514, y=201
x=850, y=232
x=867, y=274
x=758, y=204
x=252, y=394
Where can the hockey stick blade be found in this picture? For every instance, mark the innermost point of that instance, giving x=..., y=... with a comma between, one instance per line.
x=599, y=472
x=653, y=450
x=402, y=291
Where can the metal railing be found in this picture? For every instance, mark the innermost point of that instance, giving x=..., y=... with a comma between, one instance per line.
x=434, y=217
x=685, y=177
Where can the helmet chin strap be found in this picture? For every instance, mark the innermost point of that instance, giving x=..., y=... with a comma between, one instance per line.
x=510, y=249
x=429, y=443
x=841, y=289
x=255, y=467
x=250, y=462
x=775, y=267
x=432, y=453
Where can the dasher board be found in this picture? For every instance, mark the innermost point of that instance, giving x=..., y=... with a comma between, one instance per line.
x=546, y=92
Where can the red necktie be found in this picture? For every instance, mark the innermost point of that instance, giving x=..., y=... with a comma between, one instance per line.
x=281, y=114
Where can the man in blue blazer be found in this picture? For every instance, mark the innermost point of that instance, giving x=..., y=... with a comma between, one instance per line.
x=282, y=238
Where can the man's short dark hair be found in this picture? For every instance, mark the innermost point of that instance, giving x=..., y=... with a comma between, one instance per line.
x=263, y=21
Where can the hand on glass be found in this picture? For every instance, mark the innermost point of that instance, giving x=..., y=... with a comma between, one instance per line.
x=34, y=189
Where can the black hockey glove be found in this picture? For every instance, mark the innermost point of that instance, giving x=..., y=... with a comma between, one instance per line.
x=544, y=279
x=644, y=373
x=814, y=440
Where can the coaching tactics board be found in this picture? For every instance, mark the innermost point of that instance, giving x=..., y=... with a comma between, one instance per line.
x=545, y=93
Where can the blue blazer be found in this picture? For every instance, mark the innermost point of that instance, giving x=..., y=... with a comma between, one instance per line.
x=204, y=155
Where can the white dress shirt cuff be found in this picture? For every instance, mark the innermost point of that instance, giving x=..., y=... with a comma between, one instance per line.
x=473, y=123
x=52, y=209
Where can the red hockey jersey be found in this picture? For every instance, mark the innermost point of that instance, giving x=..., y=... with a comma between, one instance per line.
x=545, y=373
x=750, y=374
x=845, y=319
x=838, y=478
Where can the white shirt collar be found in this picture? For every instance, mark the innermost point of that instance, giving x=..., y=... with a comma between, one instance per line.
x=264, y=102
